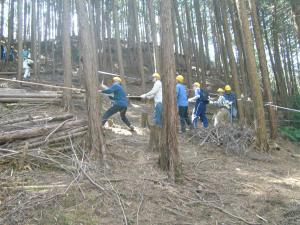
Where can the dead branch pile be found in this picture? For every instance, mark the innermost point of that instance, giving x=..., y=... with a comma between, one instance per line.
x=233, y=138
x=40, y=138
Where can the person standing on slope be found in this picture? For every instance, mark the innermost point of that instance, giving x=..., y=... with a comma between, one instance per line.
x=156, y=93
x=182, y=103
x=200, y=106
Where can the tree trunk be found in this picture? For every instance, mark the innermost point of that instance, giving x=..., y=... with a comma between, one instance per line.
x=118, y=43
x=278, y=66
x=239, y=39
x=2, y=18
x=199, y=23
x=261, y=132
x=97, y=142
x=47, y=28
x=154, y=35
x=10, y=25
x=25, y=21
x=184, y=44
x=108, y=28
x=33, y=37
x=139, y=46
x=39, y=36
x=215, y=43
x=233, y=66
x=264, y=69
x=221, y=40
x=205, y=28
x=20, y=40
x=169, y=156
x=67, y=94
x=296, y=11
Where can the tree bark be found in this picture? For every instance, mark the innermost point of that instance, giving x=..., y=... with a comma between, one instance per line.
x=199, y=23
x=239, y=40
x=169, y=156
x=33, y=37
x=139, y=46
x=221, y=40
x=2, y=18
x=278, y=66
x=264, y=69
x=67, y=94
x=20, y=40
x=186, y=53
x=296, y=10
x=10, y=25
x=261, y=132
x=25, y=21
x=154, y=35
x=118, y=43
x=97, y=142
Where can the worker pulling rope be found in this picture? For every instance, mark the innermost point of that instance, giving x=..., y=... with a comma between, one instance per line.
x=83, y=90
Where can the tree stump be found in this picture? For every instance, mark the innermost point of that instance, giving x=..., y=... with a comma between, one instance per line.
x=155, y=135
x=144, y=120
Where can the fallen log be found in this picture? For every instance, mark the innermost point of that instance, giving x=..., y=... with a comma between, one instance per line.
x=35, y=100
x=18, y=120
x=29, y=95
x=36, y=131
x=38, y=120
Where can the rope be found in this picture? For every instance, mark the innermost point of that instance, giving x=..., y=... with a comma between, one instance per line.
x=281, y=107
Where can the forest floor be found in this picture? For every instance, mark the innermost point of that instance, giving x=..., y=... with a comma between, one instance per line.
x=217, y=187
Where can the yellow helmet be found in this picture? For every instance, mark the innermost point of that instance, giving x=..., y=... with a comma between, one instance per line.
x=180, y=78
x=117, y=79
x=197, y=84
x=227, y=88
x=156, y=75
x=220, y=90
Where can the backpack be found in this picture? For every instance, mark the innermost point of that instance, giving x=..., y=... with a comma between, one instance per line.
x=204, y=96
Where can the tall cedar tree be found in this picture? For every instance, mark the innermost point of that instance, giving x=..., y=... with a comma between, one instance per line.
x=20, y=40
x=67, y=94
x=169, y=156
x=261, y=130
x=97, y=142
x=264, y=68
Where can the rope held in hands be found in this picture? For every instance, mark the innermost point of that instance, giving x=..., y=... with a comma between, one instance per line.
x=83, y=90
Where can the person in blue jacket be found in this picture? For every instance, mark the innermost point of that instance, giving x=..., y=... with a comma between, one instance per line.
x=25, y=53
x=11, y=53
x=182, y=103
x=120, y=102
x=230, y=97
x=200, y=106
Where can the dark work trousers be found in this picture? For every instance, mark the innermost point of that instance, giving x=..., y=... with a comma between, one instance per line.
x=113, y=110
x=184, y=117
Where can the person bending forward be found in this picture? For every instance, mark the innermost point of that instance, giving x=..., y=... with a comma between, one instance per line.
x=120, y=102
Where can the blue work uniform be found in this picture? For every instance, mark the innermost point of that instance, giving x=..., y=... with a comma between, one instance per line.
x=25, y=54
x=182, y=104
x=231, y=97
x=120, y=103
x=200, y=109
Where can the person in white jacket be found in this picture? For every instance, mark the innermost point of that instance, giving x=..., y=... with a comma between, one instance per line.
x=156, y=94
x=26, y=66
